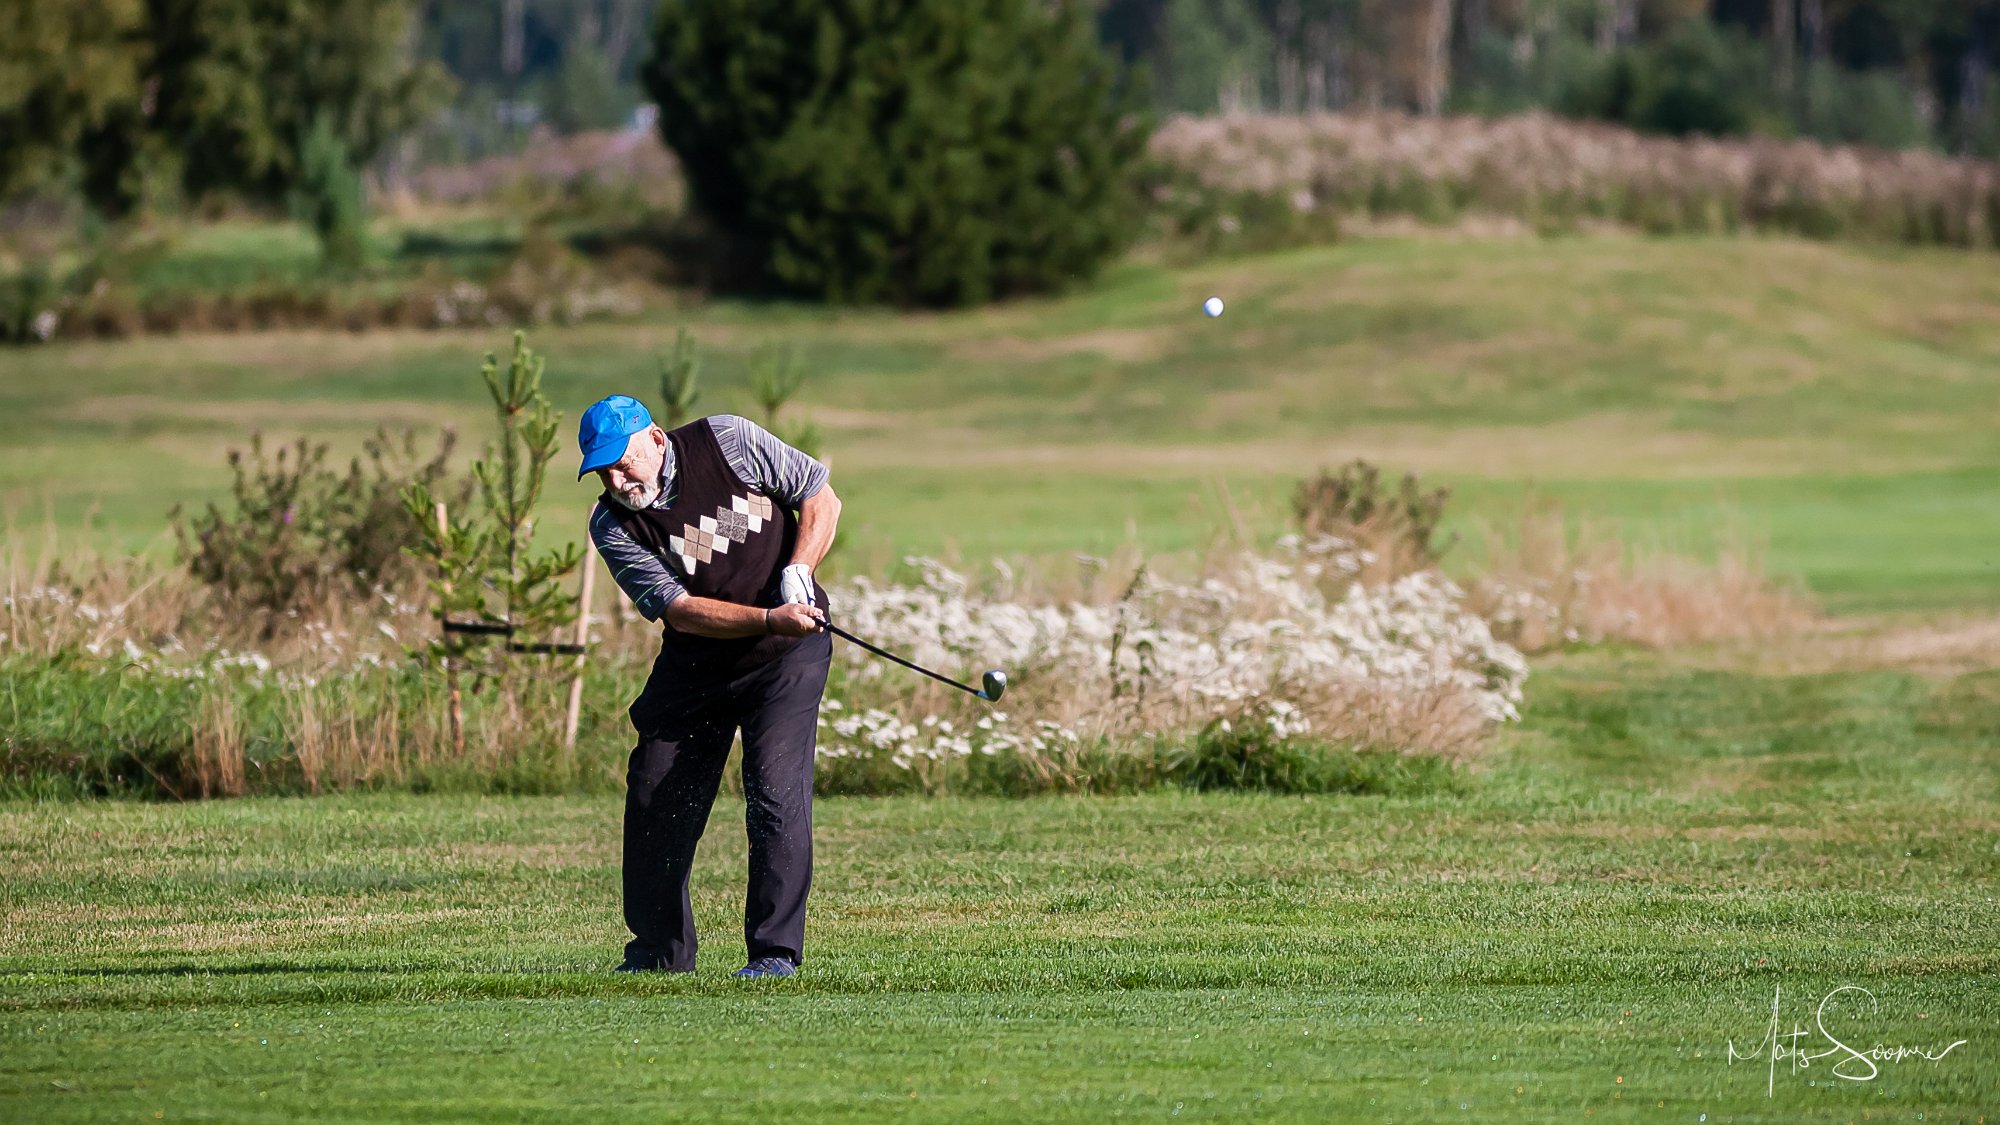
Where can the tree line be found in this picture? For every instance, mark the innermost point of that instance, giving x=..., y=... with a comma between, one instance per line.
x=1893, y=73
x=915, y=151
x=1887, y=72
x=119, y=97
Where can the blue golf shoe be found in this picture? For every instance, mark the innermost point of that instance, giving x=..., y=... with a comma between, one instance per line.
x=767, y=967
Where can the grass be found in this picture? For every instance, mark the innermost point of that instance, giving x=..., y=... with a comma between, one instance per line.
x=73, y=727
x=1582, y=934
x=1578, y=930
x=1837, y=401
x=214, y=257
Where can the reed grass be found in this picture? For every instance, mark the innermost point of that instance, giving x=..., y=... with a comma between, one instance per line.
x=1553, y=580
x=1234, y=179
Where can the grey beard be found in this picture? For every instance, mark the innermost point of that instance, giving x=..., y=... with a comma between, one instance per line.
x=645, y=501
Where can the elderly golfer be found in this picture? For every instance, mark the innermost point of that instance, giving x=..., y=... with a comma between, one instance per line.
x=714, y=530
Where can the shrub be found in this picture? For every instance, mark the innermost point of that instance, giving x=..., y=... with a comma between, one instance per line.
x=298, y=532
x=27, y=304
x=1867, y=108
x=1252, y=752
x=584, y=93
x=1697, y=80
x=1396, y=530
x=1199, y=219
x=926, y=152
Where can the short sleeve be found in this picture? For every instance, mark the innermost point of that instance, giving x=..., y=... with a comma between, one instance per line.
x=787, y=474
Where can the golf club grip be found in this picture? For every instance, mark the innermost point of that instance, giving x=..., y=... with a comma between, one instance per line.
x=840, y=632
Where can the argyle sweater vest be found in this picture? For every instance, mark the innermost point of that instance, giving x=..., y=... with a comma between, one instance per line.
x=724, y=539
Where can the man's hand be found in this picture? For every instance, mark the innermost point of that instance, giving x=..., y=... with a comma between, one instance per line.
x=795, y=585
x=796, y=620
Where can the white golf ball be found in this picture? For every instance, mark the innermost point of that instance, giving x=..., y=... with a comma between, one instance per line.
x=1212, y=306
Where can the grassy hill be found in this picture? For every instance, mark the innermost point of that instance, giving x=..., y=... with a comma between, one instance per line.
x=1839, y=403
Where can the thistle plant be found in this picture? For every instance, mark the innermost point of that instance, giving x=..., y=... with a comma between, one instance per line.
x=1399, y=527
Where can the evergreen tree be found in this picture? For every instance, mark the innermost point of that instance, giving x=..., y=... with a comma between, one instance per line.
x=908, y=151
x=486, y=564
x=66, y=70
x=328, y=197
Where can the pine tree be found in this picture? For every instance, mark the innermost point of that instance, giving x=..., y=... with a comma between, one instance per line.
x=328, y=196
x=905, y=151
x=486, y=565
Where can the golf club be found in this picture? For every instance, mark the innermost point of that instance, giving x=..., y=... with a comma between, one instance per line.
x=994, y=681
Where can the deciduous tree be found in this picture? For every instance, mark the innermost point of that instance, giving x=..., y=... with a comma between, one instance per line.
x=66, y=69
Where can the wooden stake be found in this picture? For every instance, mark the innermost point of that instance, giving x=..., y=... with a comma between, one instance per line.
x=450, y=672
x=582, y=638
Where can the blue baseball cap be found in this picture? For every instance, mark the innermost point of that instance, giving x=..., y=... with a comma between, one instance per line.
x=606, y=428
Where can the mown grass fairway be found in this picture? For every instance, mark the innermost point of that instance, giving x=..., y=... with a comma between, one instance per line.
x=1581, y=935
x=1838, y=402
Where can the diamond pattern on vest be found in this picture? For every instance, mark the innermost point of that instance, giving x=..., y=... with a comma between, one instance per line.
x=701, y=541
x=756, y=507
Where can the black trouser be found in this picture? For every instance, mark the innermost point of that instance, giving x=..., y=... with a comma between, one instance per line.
x=683, y=742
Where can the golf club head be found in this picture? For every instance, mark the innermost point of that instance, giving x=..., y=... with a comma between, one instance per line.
x=994, y=682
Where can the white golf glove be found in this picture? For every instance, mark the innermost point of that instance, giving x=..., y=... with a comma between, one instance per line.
x=795, y=585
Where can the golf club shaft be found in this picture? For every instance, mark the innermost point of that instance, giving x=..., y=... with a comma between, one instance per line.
x=840, y=632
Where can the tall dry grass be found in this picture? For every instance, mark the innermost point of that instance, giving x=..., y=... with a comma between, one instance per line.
x=135, y=675
x=1545, y=171
x=570, y=289
x=218, y=745
x=1250, y=665
x=1552, y=173
x=1219, y=184
x=1550, y=580
x=347, y=736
